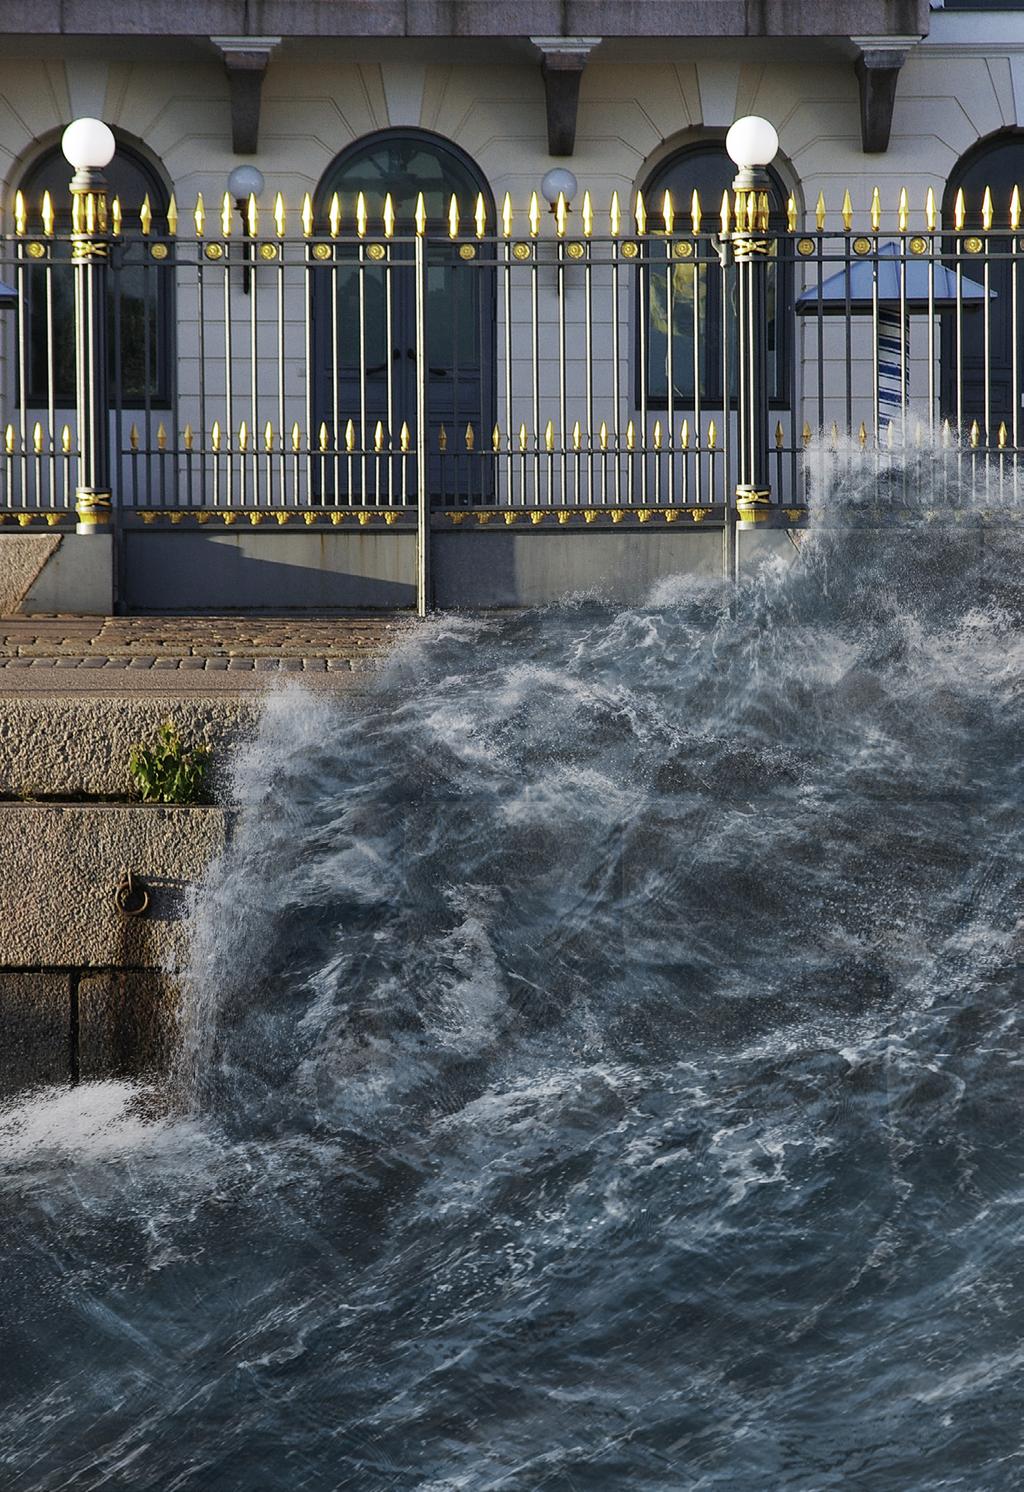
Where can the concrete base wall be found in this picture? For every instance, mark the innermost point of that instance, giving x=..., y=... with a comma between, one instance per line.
x=192, y=570
x=56, y=572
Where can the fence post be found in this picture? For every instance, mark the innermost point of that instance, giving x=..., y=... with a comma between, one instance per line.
x=89, y=146
x=422, y=488
x=752, y=143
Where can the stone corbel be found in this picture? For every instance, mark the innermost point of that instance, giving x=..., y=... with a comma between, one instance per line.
x=878, y=63
x=563, y=59
x=245, y=60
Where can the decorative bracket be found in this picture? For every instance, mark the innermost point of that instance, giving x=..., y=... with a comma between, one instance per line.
x=245, y=60
x=563, y=59
x=878, y=68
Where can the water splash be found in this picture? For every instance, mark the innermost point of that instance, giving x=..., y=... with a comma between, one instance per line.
x=603, y=1066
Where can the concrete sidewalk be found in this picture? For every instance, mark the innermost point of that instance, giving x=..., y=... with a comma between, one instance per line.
x=188, y=655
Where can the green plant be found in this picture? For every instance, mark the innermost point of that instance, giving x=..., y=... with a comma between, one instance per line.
x=167, y=771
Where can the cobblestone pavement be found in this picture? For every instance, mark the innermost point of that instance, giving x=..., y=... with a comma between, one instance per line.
x=189, y=651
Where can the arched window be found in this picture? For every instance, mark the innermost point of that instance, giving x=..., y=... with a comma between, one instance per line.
x=701, y=321
x=997, y=163
x=364, y=311
x=140, y=306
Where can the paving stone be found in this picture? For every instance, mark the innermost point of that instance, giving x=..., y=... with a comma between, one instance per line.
x=94, y=662
x=245, y=664
x=216, y=664
x=340, y=665
x=291, y=665
x=166, y=662
x=43, y=662
x=266, y=665
x=193, y=665
x=64, y=662
x=146, y=662
x=314, y=665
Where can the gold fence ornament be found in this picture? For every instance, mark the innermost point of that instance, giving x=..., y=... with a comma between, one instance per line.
x=1015, y=209
x=350, y=437
x=695, y=211
x=133, y=437
x=334, y=215
x=791, y=213
x=199, y=215
x=280, y=216
x=306, y=216
x=959, y=210
x=420, y=216
x=668, y=212
x=47, y=214
x=226, y=215
x=65, y=439
x=876, y=210
x=187, y=437
x=480, y=216
x=587, y=215
x=549, y=436
x=819, y=212
x=252, y=216
x=146, y=216
x=389, y=217
x=21, y=215
x=215, y=436
x=847, y=210
x=243, y=437
x=470, y=437
x=496, y=439
x=930, y=215
x=378, y=437
x=614, y=216
x=780, y=435
x=986, y=209
x=684, y=435
x=506, y=216
x=453, y=217
x=534, y=215
x=172, y=216
x=296, y=438
x=37, y=438
x=361, y=218
x=404, y=439
x=903, y=210
x=161, y=437
x=268, y=438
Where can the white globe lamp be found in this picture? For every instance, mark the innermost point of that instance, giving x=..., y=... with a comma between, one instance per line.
x=88, y=144
x=245, y=182
x=558, y=182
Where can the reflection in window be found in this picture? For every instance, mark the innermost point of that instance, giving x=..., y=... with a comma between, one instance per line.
x=140, y=299
x=688, y=294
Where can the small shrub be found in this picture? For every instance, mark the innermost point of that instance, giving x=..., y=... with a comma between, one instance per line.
x=168, y=771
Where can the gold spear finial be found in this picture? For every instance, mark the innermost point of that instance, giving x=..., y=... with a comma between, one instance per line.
x=986, y=209
x=876, y=210
x=630, y=436
x=1015, y=209
x=442, y=439
x=76, y=214
x=975, y=433
x=903, y=211
x=161, y=437
x=268, y=437
x=226, y=214
x=549, y=436
x=496, y=439
x=695, y=211
x=243, y=437
x=763, y=211
x=819, y=211
x=470, y=438
x=712, y=435
x=47, y=214
x=480, y=215
x=684, y=435
x=361, y=216
x=252, y=216
x=640, y=214
x=307, y=215
x=1001, y=437
x=404, y=439
x=350, y=437
x=187, y=437
x=389, y=217
x=133, y=436
x=115, y=217
x=20, y=214
x=323, y=437
x=577, y=436
x=668, y=212
x=334, y=215
x=378, y=436
x=9, y=440
x=199, y=215
x=835, y=433
x=740, y=211
x=296, y=438
x=862, y=434
x=523, y=437
x=959, y=210
x=453, y=217
x=506, y=216
x=614, y=216
x=37, y=438
x=791, y=213
x=65, y=439
x=806, y=432
x=561, y=218
x=421, y=215
x=780, y=435
x=847, y=210
x=145, y=216
x=602, y=436
x=534, y=215
x=930, y=218
x=657, y=435
x=587, y=215
x=725, y=215
x=214, y=435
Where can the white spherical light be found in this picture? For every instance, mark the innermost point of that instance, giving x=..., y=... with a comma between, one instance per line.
x=752, y=141
x=245, y=182
x=88, y=144
x=559, y=182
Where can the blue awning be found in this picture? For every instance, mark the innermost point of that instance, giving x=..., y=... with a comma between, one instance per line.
x=856, y=281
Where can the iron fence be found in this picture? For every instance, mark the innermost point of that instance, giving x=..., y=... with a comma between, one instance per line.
x=643, y=361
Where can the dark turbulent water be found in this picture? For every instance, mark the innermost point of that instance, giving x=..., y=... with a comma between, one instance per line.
x=606, y=1071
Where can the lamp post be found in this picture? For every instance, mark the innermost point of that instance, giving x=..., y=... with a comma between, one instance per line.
x=88, y=146
x=559, y=182
x=246, y=182
x=752, y=143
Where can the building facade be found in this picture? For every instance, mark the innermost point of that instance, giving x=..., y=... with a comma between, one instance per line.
x=280, y=387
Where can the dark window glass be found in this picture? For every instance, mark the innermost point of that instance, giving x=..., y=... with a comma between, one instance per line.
x=691, y=294
x=140, y=298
